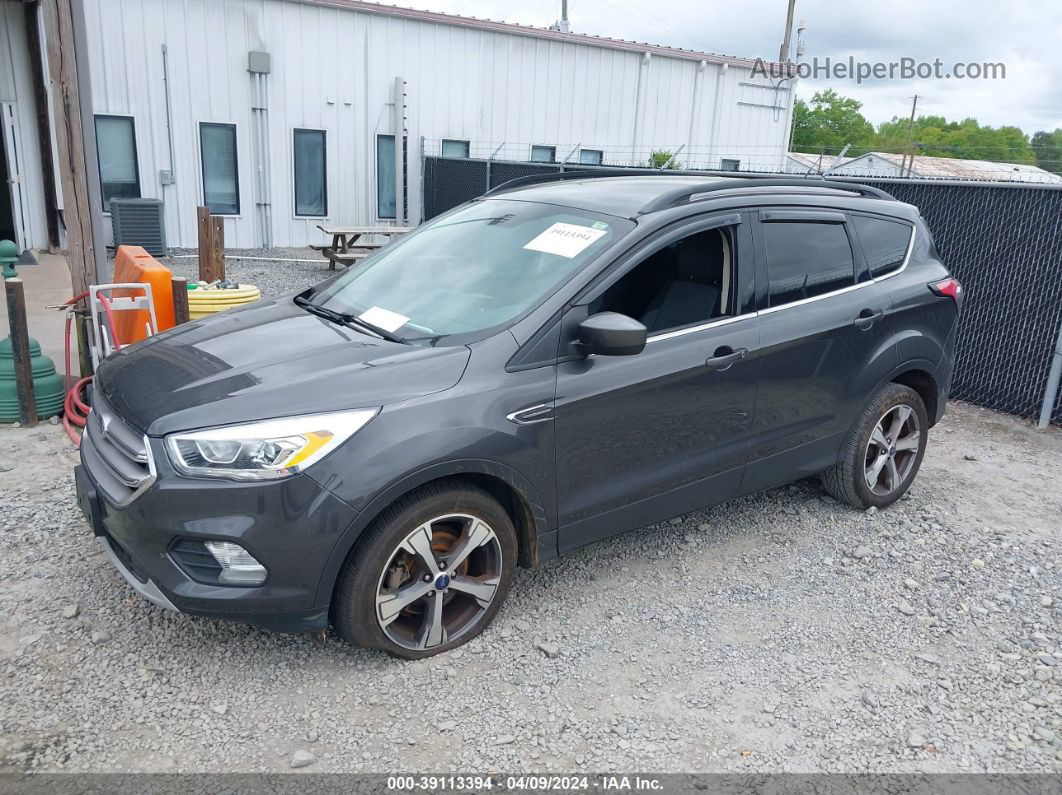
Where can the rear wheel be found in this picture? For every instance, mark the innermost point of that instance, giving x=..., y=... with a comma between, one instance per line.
x=429, y=575
x=883, y=451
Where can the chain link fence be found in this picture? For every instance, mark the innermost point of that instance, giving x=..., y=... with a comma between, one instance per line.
x=1003, y=242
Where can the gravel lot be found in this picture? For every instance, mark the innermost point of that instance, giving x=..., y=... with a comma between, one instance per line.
x=267, y=270
x=781, y=632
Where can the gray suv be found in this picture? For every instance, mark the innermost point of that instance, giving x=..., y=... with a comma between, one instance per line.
x=548, y=365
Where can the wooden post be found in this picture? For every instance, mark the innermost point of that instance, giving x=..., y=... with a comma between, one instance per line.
x=69, y=139
x=206, y=228
x=217, y=246
x=180, y=300
x=16, y=315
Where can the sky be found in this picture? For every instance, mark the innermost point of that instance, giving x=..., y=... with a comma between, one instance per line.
x=1024, y=35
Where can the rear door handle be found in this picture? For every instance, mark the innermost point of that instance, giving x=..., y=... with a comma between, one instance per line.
x=868, y=317
x=726, y=356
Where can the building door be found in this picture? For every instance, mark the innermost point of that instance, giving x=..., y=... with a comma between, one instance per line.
x=12, y=203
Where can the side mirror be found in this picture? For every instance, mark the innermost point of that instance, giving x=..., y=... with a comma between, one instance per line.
x=611, y=334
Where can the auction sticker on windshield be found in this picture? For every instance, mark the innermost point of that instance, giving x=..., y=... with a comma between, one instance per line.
x=383, y=318
x=565, y=240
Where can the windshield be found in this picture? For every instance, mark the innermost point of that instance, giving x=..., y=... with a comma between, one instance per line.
x=472, y=269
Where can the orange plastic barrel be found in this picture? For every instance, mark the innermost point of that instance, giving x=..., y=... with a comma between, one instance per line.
x=133, y=264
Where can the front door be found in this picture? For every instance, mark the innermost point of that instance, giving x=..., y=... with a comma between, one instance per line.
x=642, y=438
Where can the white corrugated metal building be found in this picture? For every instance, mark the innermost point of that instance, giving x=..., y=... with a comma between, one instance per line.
x=180, y=116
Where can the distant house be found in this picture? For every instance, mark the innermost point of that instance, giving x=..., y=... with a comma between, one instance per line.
x=885, y=164
x=805, y=163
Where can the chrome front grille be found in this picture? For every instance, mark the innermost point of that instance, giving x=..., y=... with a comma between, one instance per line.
x=117, y=457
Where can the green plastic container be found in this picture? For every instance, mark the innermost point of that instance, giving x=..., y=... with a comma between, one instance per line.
x=47, y=383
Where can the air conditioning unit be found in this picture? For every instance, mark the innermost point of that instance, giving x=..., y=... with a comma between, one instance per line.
x=139, y=222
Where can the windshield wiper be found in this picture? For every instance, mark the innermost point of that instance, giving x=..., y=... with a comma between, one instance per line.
x=345, y=319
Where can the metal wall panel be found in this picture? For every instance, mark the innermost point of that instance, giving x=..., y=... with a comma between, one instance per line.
x=333, y=69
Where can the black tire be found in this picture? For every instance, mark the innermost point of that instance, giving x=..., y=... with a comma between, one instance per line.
x=848, y=480
x=365, y=574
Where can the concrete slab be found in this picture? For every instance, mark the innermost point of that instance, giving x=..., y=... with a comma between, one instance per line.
x=47, y=282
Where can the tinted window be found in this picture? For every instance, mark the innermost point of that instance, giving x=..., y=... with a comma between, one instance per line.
x=311, y=194
x=884, y=243
x=806, y=259
x=116, y=152
x=221, y=183
x=591, y=157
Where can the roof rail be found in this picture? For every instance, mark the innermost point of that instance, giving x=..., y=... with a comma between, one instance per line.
x=677, y=195
x=557, y=176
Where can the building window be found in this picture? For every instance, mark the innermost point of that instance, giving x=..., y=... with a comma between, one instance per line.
x=451, y=148
x=221, y=179
x=730, y=164
x=543, y=154
x=116, y=153
x=385, y=176
x=311, y=175
x=591, y=157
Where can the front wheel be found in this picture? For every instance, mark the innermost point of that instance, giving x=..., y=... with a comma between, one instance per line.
x=883, y=451
x=430, y=574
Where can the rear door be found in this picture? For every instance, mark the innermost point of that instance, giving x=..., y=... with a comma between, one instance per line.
x=823, y=338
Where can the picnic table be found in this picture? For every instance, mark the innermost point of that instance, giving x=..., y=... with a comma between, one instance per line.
x=346, y=249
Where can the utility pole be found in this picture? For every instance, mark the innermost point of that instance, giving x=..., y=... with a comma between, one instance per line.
x=75, y=139
x=562, y=23
x=910, y=141
x=783, y=51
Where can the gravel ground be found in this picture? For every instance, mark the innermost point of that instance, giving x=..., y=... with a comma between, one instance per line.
x=780, y=632
x=265, y=269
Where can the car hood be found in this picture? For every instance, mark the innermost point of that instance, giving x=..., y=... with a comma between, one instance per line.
x=270, y=359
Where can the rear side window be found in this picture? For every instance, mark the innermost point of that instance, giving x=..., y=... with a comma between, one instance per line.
x=806, y=259
x=884, y=243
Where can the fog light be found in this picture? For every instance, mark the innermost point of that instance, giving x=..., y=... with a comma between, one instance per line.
x=238, y=566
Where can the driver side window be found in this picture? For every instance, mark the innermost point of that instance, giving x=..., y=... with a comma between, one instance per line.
x=688, y=282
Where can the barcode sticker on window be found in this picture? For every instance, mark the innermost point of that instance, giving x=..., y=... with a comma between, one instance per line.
x=565, y=240
x=383, y=318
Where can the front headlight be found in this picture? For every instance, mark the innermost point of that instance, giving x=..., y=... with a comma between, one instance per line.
x=264, y=450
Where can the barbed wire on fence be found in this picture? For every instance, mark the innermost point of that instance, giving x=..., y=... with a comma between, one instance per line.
x=744, y=158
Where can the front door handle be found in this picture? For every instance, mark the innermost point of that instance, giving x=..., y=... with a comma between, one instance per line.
x=725, y=356
x=868, y=317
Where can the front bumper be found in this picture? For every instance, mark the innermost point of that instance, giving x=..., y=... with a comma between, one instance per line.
x=148, y=589
x=291, y=526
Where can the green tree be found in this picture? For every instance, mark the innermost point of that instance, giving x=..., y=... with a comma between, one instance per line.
x=966, y=139
x=829, y=122
x=661, y=158
x=1047, y=146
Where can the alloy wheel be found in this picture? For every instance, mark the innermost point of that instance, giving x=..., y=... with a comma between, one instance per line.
x=892, y=449
x=439, y=581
